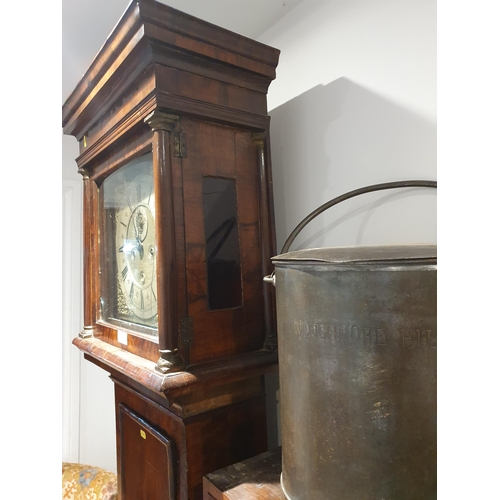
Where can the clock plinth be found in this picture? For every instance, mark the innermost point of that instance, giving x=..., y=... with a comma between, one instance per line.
x=172, y=123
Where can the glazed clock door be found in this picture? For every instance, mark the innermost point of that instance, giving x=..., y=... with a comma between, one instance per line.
x=128, y=248
x=223, y=253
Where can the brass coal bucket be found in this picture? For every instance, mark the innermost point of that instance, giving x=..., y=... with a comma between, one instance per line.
x=357, y=365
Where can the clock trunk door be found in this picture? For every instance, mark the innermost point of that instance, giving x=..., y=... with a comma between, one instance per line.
x=223, y=249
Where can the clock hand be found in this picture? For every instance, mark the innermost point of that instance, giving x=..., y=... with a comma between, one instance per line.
x=136, y=231
x=141, y=248
x=139, y=244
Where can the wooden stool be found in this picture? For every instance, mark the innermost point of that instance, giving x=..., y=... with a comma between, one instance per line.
x=257, y=478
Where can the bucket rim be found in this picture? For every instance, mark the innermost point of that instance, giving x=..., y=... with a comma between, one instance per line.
x=366, y=254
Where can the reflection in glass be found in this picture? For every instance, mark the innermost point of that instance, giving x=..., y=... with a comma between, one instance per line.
x=222, y=243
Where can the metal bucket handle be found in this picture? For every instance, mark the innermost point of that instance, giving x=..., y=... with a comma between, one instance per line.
x=343, y=197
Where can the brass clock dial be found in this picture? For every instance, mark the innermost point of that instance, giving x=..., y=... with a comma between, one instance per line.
x=128, y=248
x=135, y=248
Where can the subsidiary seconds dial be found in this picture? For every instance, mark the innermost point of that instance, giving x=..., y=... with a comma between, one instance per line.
x=136, y=247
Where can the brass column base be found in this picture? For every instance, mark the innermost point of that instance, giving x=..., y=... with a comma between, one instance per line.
x=169, y=361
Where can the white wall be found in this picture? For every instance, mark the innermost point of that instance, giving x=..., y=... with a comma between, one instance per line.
x=354, y=104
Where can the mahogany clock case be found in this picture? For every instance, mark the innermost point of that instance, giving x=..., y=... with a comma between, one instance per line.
x=193, y=95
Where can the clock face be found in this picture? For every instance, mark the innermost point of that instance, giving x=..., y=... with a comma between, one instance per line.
x=135, y=247
x=128, y=248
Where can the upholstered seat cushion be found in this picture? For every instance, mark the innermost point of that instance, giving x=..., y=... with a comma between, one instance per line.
x=85, y=482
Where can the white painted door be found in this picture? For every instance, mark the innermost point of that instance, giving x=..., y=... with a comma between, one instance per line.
x=71, y=316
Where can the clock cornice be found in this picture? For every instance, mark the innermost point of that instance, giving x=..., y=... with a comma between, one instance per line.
x=152, y=41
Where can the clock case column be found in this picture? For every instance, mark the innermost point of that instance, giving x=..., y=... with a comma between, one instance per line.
x=163, y=125
x=195, y=95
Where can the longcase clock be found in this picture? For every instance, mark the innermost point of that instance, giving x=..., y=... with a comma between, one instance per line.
x=172, y=125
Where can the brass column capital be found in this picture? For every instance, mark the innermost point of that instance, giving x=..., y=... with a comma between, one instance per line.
x=258, y=139
x=158, y=120
x=84, y=173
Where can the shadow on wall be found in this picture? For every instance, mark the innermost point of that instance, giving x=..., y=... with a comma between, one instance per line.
x=339, y=137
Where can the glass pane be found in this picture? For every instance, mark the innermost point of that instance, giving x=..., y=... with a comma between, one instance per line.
x=222, y=243
x=128, y=247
